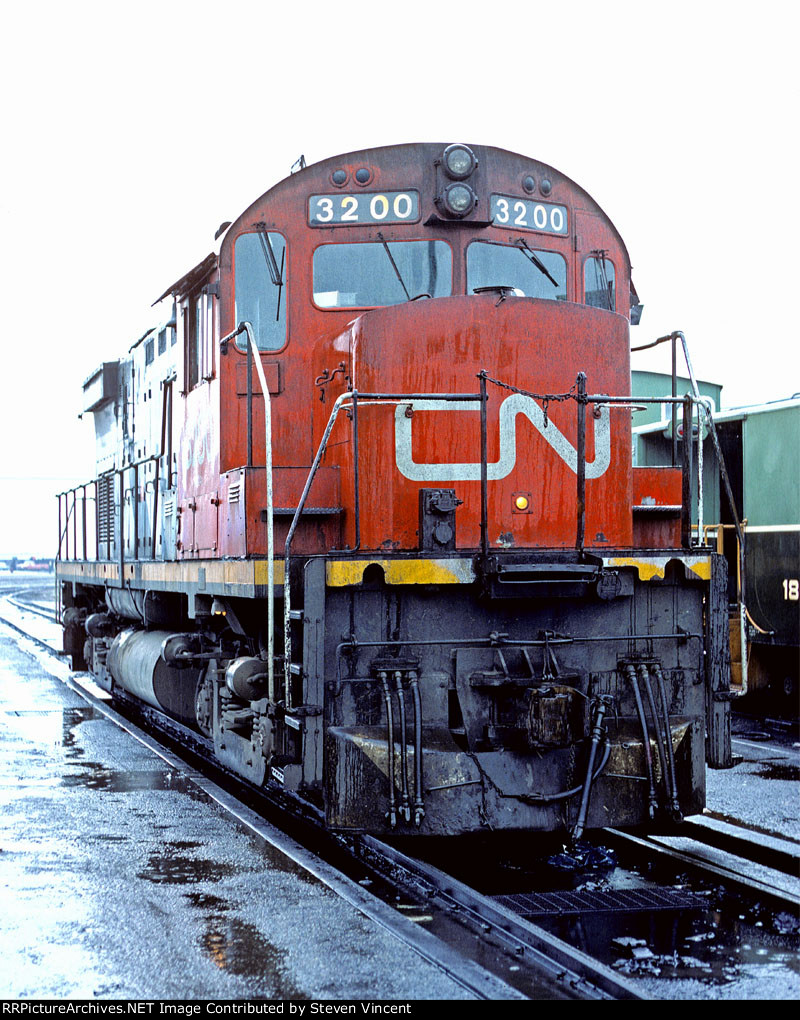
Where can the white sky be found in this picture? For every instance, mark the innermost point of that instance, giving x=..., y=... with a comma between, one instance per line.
x=131, y=131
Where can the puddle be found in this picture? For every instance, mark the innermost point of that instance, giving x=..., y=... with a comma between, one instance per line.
x=205, y=901
x=71, y=720
x=239, y=948
x=172, y=869
x=95, y=776
x=233, y=945
x=774, y=770
x=719, y=939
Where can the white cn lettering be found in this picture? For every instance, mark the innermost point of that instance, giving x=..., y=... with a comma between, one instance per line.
x=516, y=404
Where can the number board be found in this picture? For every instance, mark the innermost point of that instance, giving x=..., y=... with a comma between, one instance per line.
x=367, y=207
x=506, y=211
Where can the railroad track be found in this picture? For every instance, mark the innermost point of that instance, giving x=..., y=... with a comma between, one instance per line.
x=693, y=858
x=486, y=942
x=32, y=607
x=783, y=858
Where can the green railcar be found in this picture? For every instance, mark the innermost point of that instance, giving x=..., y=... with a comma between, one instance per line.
x=761, y=450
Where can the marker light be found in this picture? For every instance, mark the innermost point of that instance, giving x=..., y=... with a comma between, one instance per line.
x=459, y=162
x=521, y=502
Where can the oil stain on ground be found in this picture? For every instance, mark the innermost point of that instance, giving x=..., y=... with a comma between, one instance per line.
x=778, y=770
x=239, y=948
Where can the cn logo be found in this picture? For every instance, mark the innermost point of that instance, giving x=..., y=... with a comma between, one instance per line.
x=516, y=404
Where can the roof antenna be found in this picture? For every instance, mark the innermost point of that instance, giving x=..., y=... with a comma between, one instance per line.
x=299, y=164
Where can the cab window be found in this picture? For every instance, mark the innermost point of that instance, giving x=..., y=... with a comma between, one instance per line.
x=373, y=273
x=599, y=282
x=530, y=272
x=198, y=331
x=193, y=339
x=260, y=288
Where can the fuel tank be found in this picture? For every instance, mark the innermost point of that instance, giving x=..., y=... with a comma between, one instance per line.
x=136, y=664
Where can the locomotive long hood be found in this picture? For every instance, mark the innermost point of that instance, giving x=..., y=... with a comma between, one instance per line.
x=440, y=347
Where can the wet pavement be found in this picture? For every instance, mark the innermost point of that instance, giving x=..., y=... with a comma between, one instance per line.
x=121, y=878
x=762, y=789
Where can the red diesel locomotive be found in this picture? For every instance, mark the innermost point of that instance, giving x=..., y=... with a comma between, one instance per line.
x=365, y=515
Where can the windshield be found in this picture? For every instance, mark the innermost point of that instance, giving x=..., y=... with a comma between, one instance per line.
x=374, y=273
x=512, y=265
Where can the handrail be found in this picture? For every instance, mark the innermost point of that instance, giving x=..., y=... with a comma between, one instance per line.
x=705, y=404
x=340, y=400
x=255, y=354
x=287, y=617
x=63, y=533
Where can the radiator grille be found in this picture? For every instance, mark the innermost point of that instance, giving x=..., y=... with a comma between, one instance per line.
x=105, y=508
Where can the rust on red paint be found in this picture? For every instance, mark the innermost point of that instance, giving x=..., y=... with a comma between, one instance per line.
x=424, y=346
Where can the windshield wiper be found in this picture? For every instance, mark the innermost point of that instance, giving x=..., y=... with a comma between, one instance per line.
x=534, y=258
x=605, y=284
x=275, y=274
x=382, y=239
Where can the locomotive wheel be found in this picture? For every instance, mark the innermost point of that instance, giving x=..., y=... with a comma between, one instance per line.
x=204, y=705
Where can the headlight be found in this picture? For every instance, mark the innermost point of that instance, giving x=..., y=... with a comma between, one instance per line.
x=458, y=161
x=459, y=199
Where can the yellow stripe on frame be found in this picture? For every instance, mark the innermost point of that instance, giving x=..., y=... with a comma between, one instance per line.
x=342, y=573
x=655, y=566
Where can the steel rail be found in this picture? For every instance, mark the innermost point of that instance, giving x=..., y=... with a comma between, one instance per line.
x=26, y=607
x=787, y=860
x=32, y=637
x=572, y=969
x=783, y=899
